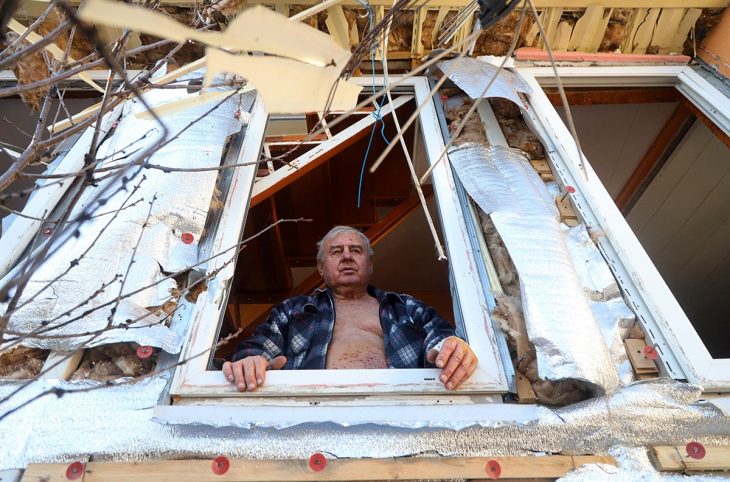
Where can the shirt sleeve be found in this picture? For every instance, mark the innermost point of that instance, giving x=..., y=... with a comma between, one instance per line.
x=269, y=339
x=436, y=328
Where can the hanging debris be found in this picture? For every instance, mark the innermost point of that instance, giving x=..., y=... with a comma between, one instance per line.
x=21, y=362
x=516, y=131
x=616, y=30
x=31, y=68
x=496, y=40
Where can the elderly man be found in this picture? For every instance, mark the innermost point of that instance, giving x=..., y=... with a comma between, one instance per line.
x=350, y=325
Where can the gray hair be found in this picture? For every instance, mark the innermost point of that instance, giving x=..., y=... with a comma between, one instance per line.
x=336, y=231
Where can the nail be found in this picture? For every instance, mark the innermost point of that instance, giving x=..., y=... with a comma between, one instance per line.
x=259, y=381
x=440, y=363
x=443, y=378
x=568, y=190
x=230, y=379
x=450, y=385
x=241, y=386
x=251, y=386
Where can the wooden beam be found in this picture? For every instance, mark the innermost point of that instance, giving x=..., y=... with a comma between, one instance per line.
x=333, y=469
x=719, y=133
x=676, y=458
x=416, y=44
x=337, y=25
x=657, y=153
x=666, y=27
x=579, y=96
x=589, y=29
x=303, y=164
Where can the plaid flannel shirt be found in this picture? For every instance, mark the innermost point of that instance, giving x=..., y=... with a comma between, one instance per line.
x=300, y=328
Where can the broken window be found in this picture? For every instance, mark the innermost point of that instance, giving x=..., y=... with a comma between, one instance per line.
x=281, y=265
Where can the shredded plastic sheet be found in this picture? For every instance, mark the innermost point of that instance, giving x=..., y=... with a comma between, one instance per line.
x=559, y=321
x=472, y=76
x=153, y=210
x=116, y=423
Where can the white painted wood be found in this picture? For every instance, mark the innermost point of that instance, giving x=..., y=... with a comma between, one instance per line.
x=614, y=76
x=589, y=29
x=17, y=238
x=574, y=4
x=337, y=25
x=562, y=36
x=683, y=353
x=193, y=378
x=416, y=44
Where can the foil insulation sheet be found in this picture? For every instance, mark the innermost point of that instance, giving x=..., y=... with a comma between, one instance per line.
x=614, y=317
x=472, y=76
x=142, y=224
x=558, y=318
x=116, y=423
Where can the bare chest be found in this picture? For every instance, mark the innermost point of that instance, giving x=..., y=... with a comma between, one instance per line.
x=357, y=339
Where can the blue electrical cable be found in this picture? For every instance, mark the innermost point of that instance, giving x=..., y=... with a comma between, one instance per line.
x=376, y=113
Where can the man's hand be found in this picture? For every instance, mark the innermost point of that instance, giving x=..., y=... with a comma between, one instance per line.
x=456, y=360
x=250, y=373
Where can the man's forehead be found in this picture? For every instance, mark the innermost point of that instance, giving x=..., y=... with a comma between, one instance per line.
x=349, y=239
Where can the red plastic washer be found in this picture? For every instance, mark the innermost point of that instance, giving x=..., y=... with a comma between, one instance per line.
x=494, y=470
x=696, y=450
x=145, y=351
x=570, y=189
x=221, y=465
x=317, y=462
x=187, y=238
x=47, y=231
x=650, y=352
x=75, y=471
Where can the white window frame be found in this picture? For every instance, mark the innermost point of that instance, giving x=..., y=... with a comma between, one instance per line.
x=683, y=353
x=193, y=379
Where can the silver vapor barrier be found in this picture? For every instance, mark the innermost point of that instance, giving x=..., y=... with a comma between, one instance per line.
x=472, y=76
x=139, y=224
x=558, y=318
x=117, y=424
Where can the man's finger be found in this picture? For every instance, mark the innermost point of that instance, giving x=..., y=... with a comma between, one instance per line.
x=228, y=371
x=446, y=350
x=238, y=375
x=277, y=363
x=461, y=372
x=260, y=364
x=453, y=363
x=249, y=372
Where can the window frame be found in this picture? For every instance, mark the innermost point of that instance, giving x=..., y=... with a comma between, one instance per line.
x=683, y=354
x=193, y=379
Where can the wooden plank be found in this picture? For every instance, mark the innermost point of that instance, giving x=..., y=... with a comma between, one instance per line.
x=675, y=458
x=636, y=19
x=644, y=32
x=641, y=364
x=666, y=27
x=334, y=469
x=337, y=26
x=565, y=208
x=525, y=393
x=60, y=366
x=284, y=176
x=680, y=34
x=541, y=166
x=588, y=28
x=572, y=4
x=562, y=36
x=658, y=150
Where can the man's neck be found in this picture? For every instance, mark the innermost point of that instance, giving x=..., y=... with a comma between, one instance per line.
x=350, y=293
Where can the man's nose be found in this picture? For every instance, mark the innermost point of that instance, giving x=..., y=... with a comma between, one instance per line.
x=346, y=254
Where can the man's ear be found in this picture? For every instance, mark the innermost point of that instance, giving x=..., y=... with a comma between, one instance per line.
x=320, y=269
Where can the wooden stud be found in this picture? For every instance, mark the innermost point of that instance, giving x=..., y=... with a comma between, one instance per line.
x=282, y=8
x=675, y=458
x=644, y=32
x=336, y=469
x=416, y=45
x=680, y=34
x=541, y=166
x=550, y=26
x=337, y=25
x=565, y=208
x=642, y=365
x=666, y=27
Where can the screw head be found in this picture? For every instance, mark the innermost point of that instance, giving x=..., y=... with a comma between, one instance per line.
x=187, y=238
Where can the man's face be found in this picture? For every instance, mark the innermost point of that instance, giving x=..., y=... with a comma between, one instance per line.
x=346, y=263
